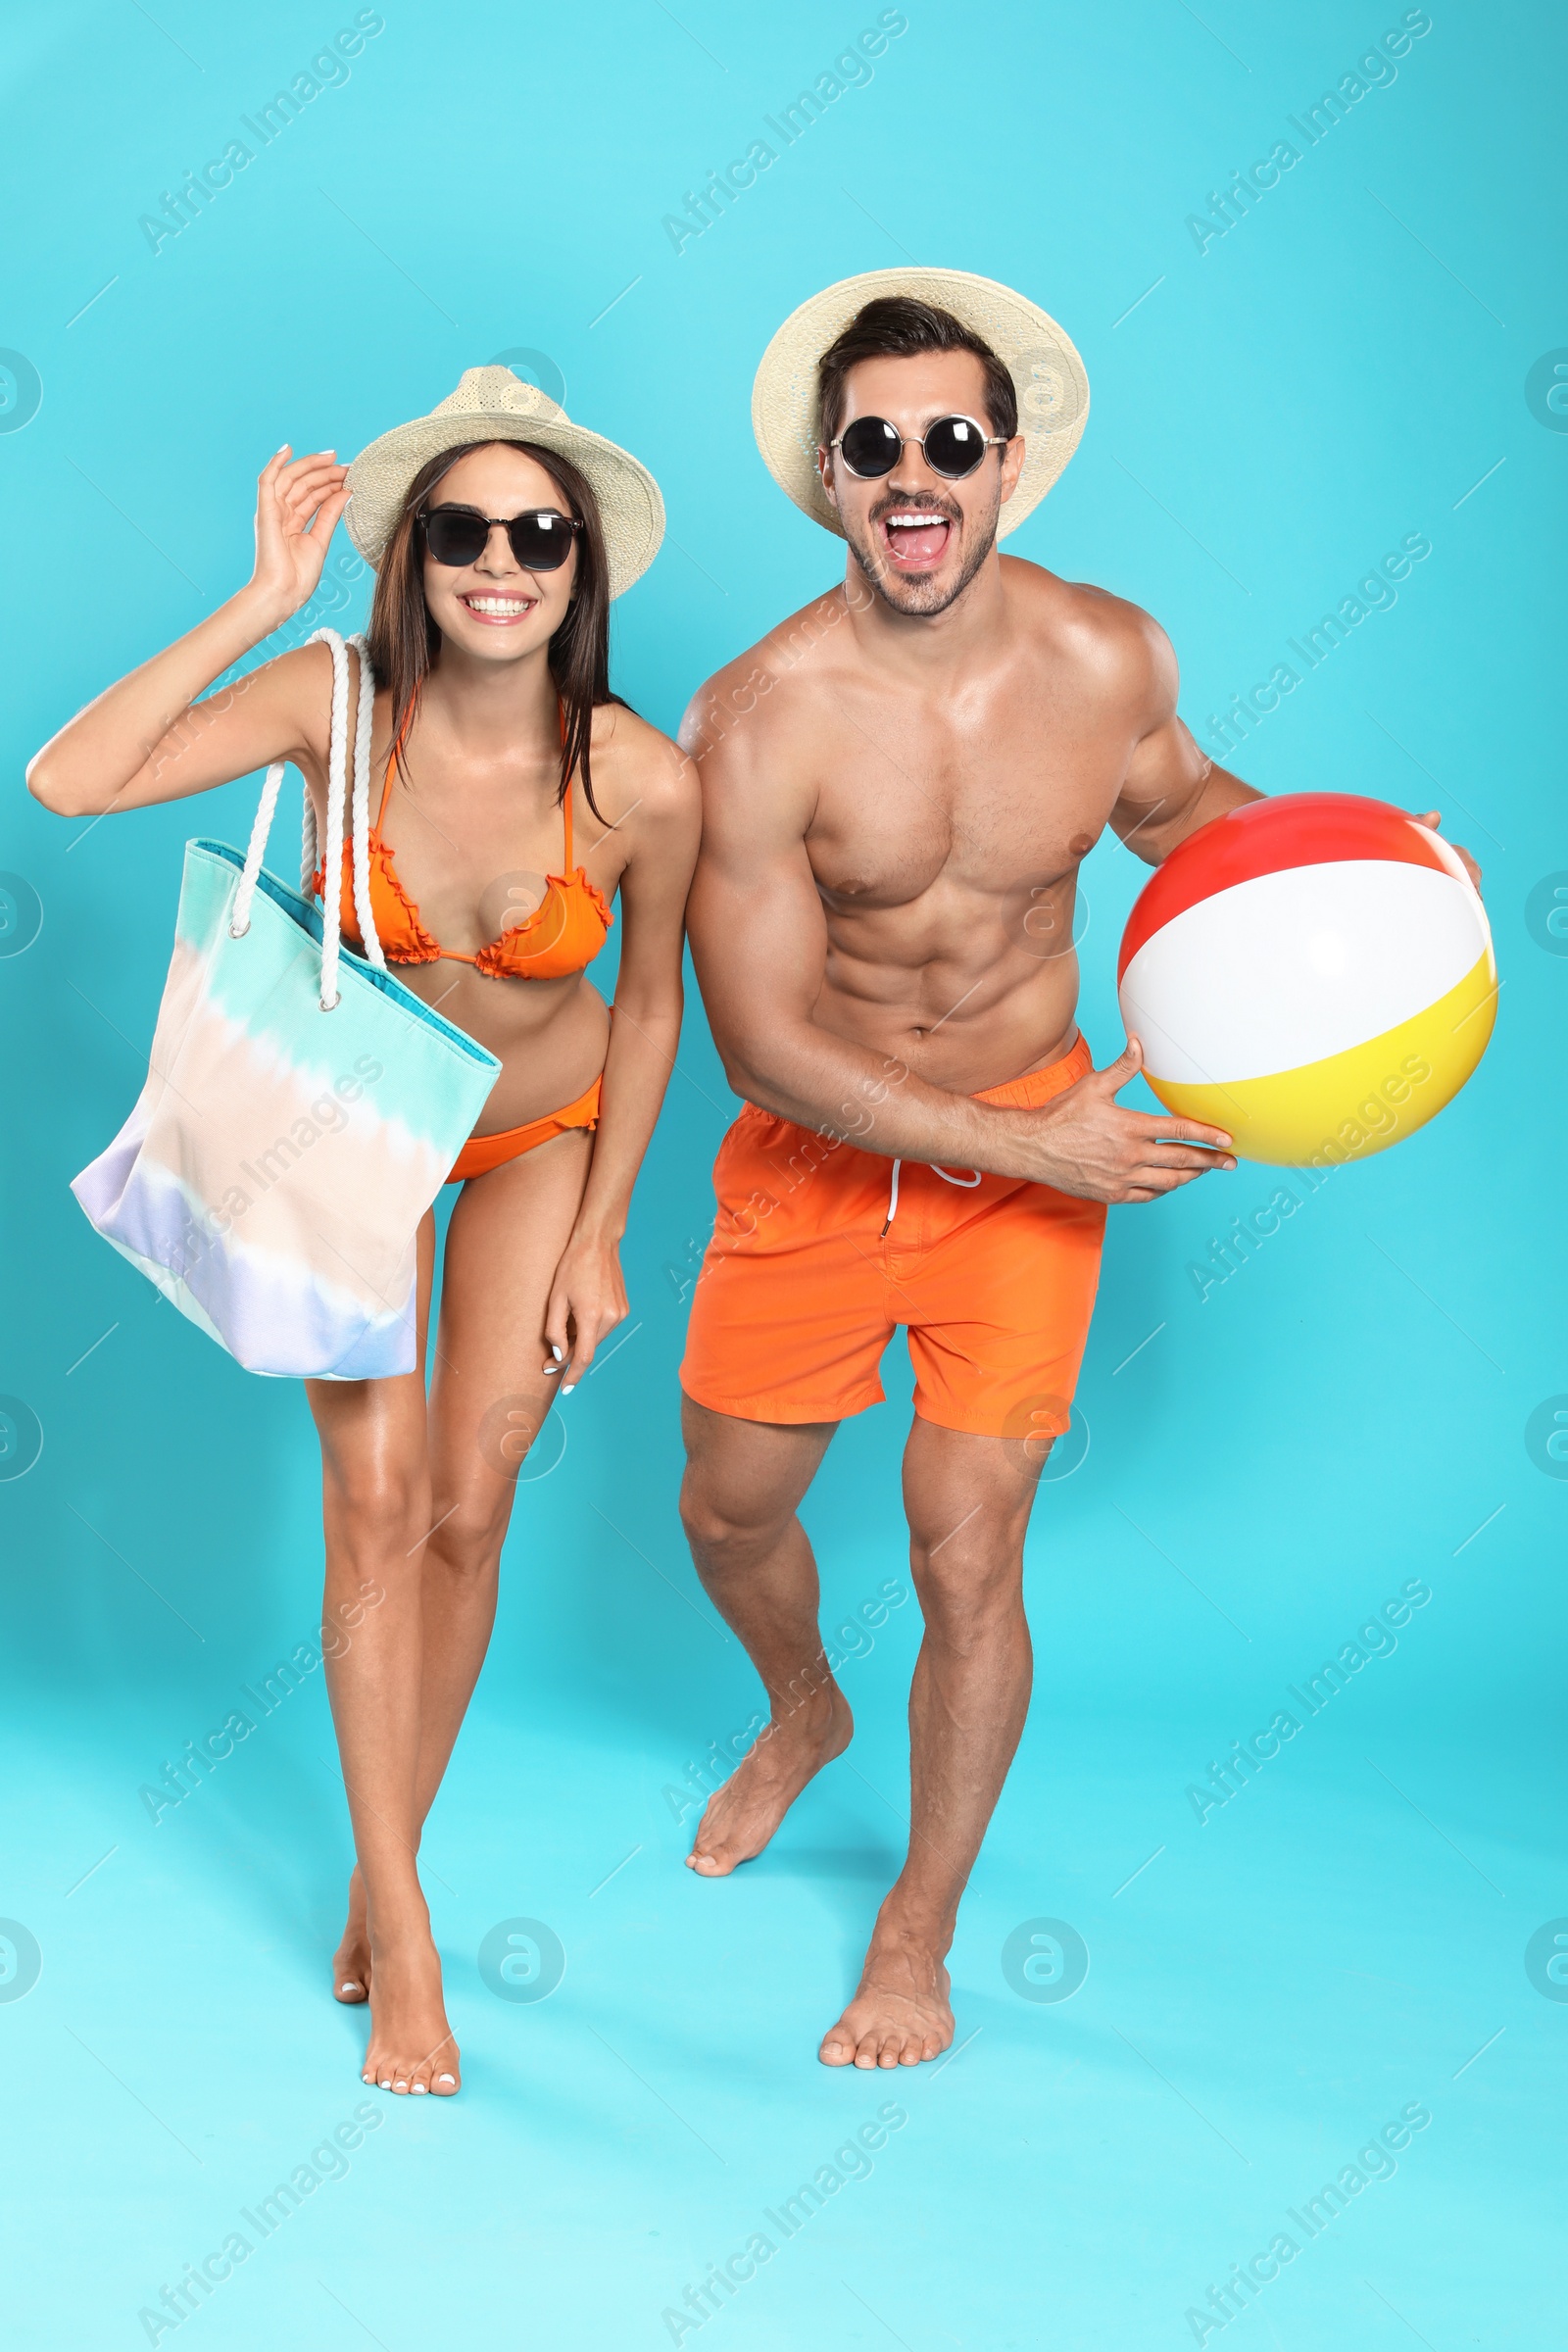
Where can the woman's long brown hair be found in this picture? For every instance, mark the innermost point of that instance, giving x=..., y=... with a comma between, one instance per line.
x=405, y=642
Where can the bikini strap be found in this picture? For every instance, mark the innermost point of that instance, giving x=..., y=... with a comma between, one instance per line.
x=565, y=866
x=392, y=761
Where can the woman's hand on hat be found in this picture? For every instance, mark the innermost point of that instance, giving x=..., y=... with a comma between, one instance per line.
x=298, y=501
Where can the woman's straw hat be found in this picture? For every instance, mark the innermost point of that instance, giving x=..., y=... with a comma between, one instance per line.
x=1049, y=375
x=491, y=404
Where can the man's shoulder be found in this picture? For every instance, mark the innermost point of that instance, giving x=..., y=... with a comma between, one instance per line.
x=773, y=680
x=1113, y=644
x=1077, y=611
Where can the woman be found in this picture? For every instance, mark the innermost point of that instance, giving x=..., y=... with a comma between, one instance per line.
x=519, y=797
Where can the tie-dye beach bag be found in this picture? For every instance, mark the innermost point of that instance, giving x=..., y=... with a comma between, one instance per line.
x=302, y=1107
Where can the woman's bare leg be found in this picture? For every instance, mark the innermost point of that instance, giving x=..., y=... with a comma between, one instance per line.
x=488, y=1398
x=376, y=1504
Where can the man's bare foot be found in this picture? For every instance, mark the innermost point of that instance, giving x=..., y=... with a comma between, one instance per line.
x=411, y=2049
x=351, y=1966
x=741, y=1817
x=900, y=2014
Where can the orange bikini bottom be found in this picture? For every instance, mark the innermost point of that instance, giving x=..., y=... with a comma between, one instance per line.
x=482, y=1153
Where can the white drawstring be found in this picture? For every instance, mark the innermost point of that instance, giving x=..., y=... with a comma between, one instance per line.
x=893, y=1196
x=964, y=1183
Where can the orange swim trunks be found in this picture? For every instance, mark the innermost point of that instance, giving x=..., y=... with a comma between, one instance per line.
x=821, y=1251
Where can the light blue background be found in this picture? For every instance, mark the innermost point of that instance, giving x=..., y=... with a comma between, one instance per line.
x=1341, y=368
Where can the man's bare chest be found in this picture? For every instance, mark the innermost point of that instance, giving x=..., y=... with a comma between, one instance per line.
x=896, y=819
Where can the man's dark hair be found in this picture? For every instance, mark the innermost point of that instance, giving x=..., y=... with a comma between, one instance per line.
x=897, y=326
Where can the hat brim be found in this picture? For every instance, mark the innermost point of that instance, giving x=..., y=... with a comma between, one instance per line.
x=1048, y=374
x=631, y=508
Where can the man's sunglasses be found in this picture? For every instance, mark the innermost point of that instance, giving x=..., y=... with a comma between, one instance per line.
x=541, y=539
x=952, y=446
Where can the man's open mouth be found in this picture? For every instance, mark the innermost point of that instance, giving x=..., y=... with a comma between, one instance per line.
x=915, y=538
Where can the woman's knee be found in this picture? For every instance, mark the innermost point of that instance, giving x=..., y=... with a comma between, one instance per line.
x=376, y=1505
x=466, y=1538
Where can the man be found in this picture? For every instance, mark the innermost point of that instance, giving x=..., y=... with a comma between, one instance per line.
x=898, y=787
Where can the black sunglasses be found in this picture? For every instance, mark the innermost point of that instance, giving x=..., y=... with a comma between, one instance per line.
x=952, y=446
x=541, y=539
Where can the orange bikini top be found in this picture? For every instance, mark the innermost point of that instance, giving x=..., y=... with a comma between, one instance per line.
x=564, y=934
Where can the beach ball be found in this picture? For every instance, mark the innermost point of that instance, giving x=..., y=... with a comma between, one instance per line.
x=1313, y=974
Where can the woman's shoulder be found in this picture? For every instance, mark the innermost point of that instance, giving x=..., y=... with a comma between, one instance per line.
x=300, y=682
x=634, y=763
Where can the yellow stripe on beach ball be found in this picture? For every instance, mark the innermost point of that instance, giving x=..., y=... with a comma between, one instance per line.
x=1354, y=1104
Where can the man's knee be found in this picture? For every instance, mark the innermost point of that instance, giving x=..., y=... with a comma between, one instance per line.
x=723, y=1530
x=967, y=1577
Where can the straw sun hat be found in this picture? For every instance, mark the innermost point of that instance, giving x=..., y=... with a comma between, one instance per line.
x=1047, y=371
x=491, y=404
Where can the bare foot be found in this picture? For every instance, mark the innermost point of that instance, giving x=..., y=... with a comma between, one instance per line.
x=741, y=1817
x=900, y=2014
x=410, y=2048
x=351, y=1966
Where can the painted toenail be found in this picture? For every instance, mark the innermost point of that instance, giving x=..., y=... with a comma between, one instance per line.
x=446, y=2078
x=385, y=2082
x=420, y=2086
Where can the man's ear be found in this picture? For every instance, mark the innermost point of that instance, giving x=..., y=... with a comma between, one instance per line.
x=825, y=468
x=1012, y=457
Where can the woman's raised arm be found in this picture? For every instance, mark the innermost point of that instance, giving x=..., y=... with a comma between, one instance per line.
x=147, y=738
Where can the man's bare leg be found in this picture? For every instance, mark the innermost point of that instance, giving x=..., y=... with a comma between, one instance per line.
x=969, y=1500
x=744, y=1482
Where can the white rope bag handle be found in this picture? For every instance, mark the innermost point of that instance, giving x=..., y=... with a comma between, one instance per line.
x=336, y=795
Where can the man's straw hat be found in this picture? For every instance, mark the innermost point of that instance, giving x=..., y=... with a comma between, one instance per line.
x=1047, y=371
x=491, y=404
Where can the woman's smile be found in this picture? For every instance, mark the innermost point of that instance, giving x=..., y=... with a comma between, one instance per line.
x=497, y=612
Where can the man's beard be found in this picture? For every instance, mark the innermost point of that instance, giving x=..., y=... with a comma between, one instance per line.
x=911, y=595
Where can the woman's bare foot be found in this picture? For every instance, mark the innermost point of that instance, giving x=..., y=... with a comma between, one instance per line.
x=741, y=1817
x=900, y=2014
x=351, y=1965
x=410, y=2048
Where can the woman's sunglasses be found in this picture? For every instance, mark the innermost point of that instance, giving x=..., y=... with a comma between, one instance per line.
x=541, y=539
x=952, y=446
